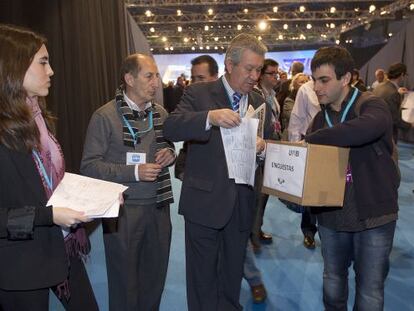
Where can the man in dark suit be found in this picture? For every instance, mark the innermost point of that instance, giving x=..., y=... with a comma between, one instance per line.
x=218, y=212
x=390, y=91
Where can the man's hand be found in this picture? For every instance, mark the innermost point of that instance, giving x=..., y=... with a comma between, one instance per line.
x=149, y=171
x=226, y=118
x=260, y=145
x=164, y=157
x=402, y=90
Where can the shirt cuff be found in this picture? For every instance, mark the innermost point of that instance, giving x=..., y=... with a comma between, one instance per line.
x=208, y=125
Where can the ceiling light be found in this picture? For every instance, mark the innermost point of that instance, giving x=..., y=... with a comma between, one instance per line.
x=216, y=39
x=275, y=9
x=262, y=25
x=371, y=8
x=151, y=49
x=259, y=38
x=302, y=36
x=208, y=47
x=171, y=48
x=210, y=11
x=302, y=9
x=201, y=48
x=148, y=13
x=239, y=27
x=337, y=41
x=164, y=39
x=193, y=48
x=166, y=48
x=186, y=39
x=412, y=6
x=390, y=34
x=246, y=11
x=179, y=28
x=179, y=13
x=285, y=26
x=332, y=9
x=206, y=28
x=152, y=29
x=356, y=9
x=280, y=37
x=309, y=26
x=383, y=12
x=332, y=25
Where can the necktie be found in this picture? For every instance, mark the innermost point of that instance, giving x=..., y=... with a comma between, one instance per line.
x=236, y=100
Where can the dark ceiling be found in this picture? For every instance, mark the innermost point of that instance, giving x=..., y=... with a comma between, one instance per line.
x=176, y=26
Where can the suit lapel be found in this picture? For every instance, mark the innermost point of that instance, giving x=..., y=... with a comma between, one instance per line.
x=219, y=94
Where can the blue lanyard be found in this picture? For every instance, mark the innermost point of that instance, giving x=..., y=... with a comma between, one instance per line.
x=131, y=131
x=344, y=114
x=49, y=179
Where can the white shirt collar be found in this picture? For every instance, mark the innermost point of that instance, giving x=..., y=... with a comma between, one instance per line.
x=133, y=105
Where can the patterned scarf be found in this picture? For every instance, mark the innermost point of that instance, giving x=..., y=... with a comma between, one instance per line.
x=164, y=190
x=50, y=153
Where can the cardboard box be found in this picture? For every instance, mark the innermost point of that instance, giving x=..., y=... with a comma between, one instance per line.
x=306, y=174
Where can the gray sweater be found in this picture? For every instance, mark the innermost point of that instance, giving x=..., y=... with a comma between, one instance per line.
x=104, y=153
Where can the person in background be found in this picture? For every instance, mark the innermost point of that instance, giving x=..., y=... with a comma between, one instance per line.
x=218, y=213
x=297, y=81
x=265, y=87
x=357, y=82
x=361, y=232
x=125, y=144
x=34, y=255
x=379, y=76
x=306, y=106
x=390, y=91
x=283, y=92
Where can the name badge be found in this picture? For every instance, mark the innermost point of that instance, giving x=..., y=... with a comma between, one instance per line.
x=133, y=158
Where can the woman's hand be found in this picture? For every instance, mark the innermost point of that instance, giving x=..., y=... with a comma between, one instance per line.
x=67, y=217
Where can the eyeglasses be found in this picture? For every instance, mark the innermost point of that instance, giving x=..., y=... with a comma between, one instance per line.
x=275, y=74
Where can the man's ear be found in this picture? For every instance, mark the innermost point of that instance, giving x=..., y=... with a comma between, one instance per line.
x=229, y=65
x=129, y=79
x=346, y=79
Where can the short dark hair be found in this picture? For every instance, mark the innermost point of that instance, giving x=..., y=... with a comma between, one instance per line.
x=396, y=70
x=268, y=62
x=212, y=64
x=296, y=67
x=130, y=65
x=335, y=56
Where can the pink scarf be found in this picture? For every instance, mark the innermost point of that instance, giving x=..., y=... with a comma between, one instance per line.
x=49, y=151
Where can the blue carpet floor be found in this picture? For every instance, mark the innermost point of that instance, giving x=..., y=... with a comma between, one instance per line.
x=292, y=274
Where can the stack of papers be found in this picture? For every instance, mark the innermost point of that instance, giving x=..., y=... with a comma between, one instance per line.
x=97, y=198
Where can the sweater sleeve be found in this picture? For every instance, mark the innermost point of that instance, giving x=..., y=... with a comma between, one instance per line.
x=373, y=121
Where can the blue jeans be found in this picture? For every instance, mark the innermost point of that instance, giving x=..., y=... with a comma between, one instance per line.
x=369, y=250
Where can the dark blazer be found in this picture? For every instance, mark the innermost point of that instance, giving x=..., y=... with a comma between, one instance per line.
x=369, y=137
x=389, y=92
x=208, y=195
x=32, y=253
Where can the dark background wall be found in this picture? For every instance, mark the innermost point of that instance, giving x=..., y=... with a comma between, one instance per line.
x=86, y=43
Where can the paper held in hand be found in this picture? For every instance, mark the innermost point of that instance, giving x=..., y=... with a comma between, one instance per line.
x=97, y=198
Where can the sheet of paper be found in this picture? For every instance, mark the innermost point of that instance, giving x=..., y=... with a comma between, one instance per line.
x=408, y=107
x=97, y=198
x=260, y=114
x=240, y=149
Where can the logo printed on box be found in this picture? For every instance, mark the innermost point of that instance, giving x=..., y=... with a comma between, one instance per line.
x=136, y=157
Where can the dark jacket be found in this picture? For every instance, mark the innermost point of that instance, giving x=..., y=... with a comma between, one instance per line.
x=389, y=93
x=369, y=135
x=208, y=196
x=32, y=253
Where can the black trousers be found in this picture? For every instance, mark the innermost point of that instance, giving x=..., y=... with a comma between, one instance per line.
x=214, y=265
x=81, y=294
x=137, y=247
